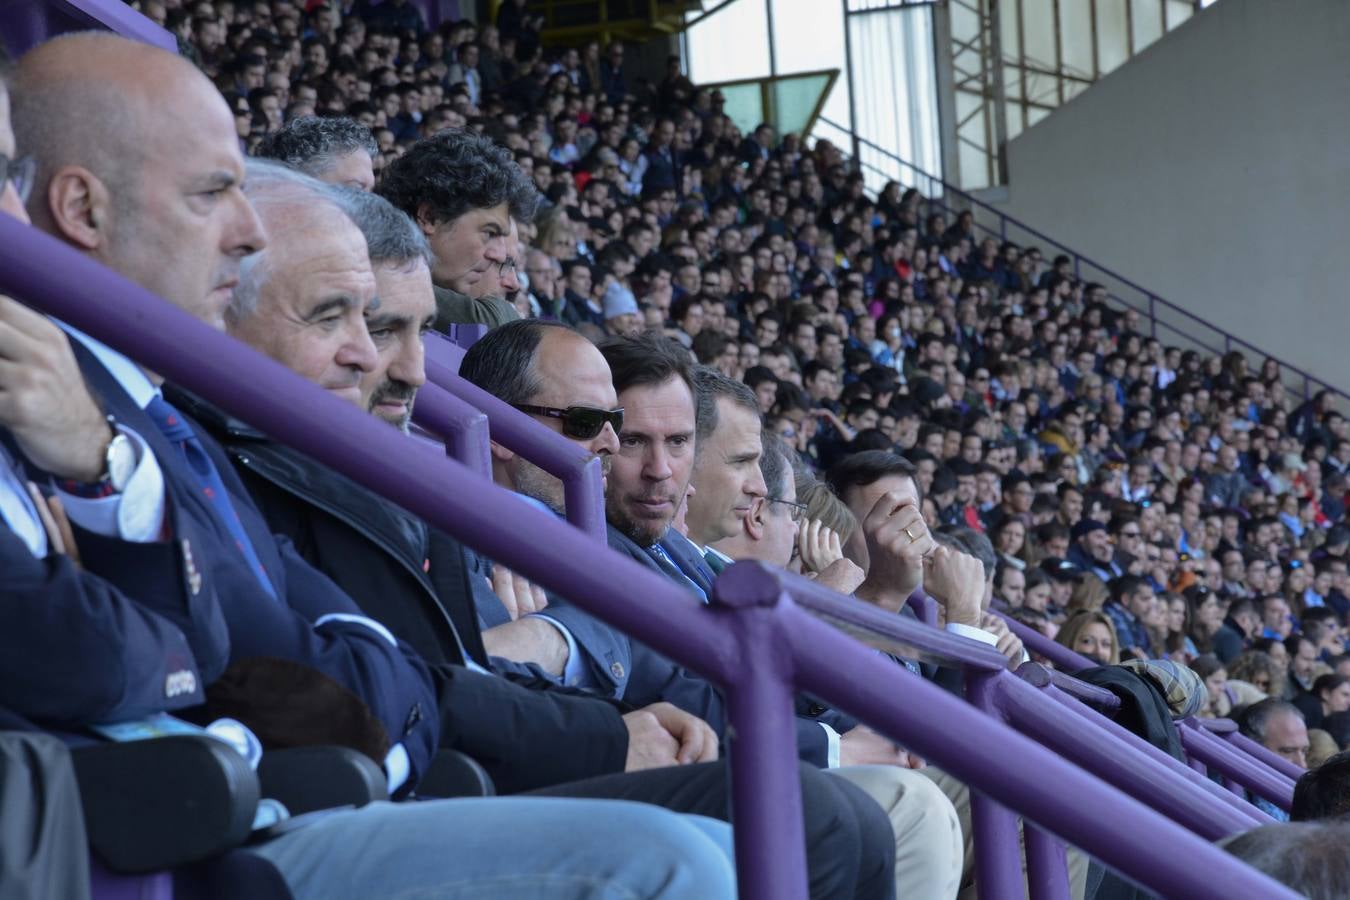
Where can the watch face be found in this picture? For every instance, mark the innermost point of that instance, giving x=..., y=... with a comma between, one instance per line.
x=121, y=460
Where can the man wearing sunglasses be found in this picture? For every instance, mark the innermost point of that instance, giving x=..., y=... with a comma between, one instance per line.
x=651, y=461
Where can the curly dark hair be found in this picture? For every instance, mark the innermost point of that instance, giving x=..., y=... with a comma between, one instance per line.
x=313, y=143
x=453, y=171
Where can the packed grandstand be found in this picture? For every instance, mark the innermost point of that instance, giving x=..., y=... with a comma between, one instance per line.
x=1166, y=523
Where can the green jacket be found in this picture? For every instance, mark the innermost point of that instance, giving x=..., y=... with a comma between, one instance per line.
x=454, y=308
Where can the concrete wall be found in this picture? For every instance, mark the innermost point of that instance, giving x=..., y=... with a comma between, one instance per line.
x=1214, y=169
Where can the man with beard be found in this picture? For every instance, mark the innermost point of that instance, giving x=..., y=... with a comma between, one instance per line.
x=530, y=734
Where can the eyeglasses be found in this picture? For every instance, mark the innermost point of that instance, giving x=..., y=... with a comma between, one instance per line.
x=580, y=422
x=21, y=171
x=795, y=510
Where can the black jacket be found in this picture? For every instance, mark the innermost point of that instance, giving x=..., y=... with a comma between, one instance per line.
x=527, y=733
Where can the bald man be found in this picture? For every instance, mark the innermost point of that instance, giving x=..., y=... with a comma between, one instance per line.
x=139, y=169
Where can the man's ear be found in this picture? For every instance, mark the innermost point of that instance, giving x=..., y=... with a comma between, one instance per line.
x=756, y=520
x=425, y=219
x=79, y=206
x=500, y=453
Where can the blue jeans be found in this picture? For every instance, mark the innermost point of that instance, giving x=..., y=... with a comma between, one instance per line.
x=512, y=848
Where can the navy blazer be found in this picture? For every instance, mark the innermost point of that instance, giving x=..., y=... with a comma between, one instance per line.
x=651, y=677
x=81, y=649
x=386, y=674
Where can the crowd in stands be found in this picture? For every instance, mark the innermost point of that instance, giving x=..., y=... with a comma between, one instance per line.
x=891, y=397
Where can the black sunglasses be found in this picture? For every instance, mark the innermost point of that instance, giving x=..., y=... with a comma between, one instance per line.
x=580, y=422
x=21, y=171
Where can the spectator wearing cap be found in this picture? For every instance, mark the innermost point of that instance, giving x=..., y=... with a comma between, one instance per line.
x=1131, y=603
x=622, y=316
x=1092, y=550
x=1062, y=576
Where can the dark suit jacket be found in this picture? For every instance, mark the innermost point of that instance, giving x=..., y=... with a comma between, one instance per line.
x=80, y=648
x=528, y=733
x=652, y=677
x=390, y=678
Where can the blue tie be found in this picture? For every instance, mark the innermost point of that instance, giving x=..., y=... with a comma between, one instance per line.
x=179, y=433
x=668, y=566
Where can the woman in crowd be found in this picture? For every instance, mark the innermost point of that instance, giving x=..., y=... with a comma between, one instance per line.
x=1092, y=634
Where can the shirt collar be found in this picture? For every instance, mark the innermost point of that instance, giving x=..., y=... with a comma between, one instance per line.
x=129, y=375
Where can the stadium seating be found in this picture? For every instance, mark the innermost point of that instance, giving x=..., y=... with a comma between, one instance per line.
x=1037, y=743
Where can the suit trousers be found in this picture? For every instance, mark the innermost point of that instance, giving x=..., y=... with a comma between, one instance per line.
x=850, y=848
x=506, y=848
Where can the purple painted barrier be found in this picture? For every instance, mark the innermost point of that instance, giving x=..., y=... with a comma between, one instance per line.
x=756, y=642
x=581, y=474
x=1245, y=811
x=1035, y=642
x=26, y=23
x=462, y=428
x=106, y=884
x=1235, y=765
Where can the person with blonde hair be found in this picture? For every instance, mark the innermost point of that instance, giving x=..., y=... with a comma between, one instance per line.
x=1089, y=594
x=1091, y=633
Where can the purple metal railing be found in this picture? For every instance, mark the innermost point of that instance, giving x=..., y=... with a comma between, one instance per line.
x=755, y=641
x=1149, y=304
x=1242, y=771
x=1035, y=642
x=581, y=474
x=462, y=427
x=29, y=22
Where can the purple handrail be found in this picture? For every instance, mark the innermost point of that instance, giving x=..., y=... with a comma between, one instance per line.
x=1038, y=676
x=580, y=473
x=1233, y=764
x=748, y=643
x=1079, y=259
x=1035, y=642
x=462, y=428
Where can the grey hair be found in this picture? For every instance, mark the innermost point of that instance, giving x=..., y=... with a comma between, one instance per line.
x=711, y=385
x=1309, y=857
x=266, y=183
x=392, y=237
x=773, y=464
x=313, y=144
x=977, y=545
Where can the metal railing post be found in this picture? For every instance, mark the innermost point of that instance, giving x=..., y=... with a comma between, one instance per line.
x=1047, y=865
x=762, y=739
x=462, y=427
x=581, y=474
x=998, y=862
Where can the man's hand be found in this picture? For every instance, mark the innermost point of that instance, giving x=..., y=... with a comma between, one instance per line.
x=1009, y=644
x=662, y=735
x=842, y=575
x=864, y=747
x=518, y=595
x=897, y=544
x=956, y=580
x=818, y=544
x=43, y=399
